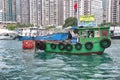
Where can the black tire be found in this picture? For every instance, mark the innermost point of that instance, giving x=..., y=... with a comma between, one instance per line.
x=88, y=45
x=37, y=45
x=68, y=47
x=105, y=43
x=78, y=46
x=40, y=45
x=53, y=46
x=61, y=46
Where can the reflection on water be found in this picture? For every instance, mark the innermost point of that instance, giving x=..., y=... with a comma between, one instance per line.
x=18, y=65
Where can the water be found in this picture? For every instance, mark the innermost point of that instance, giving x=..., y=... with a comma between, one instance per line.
x=18, y=65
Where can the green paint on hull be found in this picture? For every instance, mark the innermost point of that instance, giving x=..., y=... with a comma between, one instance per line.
x=96, y=48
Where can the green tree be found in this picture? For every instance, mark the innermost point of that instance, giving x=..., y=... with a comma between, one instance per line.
x=11, y=26
x=71, y=21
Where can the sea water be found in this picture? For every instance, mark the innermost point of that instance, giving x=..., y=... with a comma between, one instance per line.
x=15, y=64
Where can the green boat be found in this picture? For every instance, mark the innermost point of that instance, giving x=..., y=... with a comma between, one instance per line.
x=90, y=40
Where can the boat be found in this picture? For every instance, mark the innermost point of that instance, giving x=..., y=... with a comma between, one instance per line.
x=8, y=35
x=89, y=39
x=115, y=32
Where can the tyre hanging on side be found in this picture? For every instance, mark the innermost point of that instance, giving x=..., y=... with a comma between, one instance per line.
x=53, y=46
x=68, y=47
x=61, y=46
x=105, y=43
x=78, y=46
x=88, y=45
x=40, y=45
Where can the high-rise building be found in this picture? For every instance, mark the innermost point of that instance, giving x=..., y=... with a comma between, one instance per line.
x=9, y=10
x=113, y=10
x=25, y=11
x=97, y=10
x=46, y=12
x=36, y=12
x=69, y=8
x=1, y=16
x=0, y=4
x=84, y=7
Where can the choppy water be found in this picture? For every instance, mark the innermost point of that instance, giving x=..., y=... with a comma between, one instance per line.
x=18, y=65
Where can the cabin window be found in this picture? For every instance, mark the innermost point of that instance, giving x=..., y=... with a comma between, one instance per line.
x=91, y=33
x=97, y=33
x=84, y=35
x=104, y=33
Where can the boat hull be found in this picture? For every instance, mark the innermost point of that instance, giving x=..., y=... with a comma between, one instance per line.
x=96, y=49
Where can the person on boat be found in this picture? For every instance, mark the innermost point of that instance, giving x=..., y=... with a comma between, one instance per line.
x=90, y=34
x=69, y=35
x=75, y=34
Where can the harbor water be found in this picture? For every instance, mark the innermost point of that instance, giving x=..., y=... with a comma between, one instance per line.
x=15, y=64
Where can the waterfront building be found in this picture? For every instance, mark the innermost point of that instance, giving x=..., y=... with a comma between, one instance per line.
x=113, y=10
x=36, y=12
x=69, y=8
x=46, y=12
x=1, y=16
x=84, y=7
x=9, y=11
x=25, y=11
x=97, y=10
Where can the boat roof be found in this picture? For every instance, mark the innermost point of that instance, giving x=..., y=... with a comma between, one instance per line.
x=86, y=28
x=92, y=28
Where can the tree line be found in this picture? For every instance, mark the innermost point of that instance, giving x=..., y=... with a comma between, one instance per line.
x=17, y=25
x=71, y=21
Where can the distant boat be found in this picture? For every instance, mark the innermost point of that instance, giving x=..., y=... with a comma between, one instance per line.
x=7, y=34
x=115, y=32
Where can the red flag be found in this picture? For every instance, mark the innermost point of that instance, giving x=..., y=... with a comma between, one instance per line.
x=75, y=6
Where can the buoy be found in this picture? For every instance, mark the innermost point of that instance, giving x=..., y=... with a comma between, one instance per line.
x=28, y=44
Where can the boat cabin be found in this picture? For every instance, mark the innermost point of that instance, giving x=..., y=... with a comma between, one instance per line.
x=88, y=34
x=93, y=34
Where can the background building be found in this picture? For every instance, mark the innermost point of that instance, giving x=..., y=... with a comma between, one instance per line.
x=69, y=8
x=25, y=11
x=46, y=12
x=84, y=7
x=97, y=10
x=52, y=12
x=113, y=10
x=9, y=11
x=1, y=16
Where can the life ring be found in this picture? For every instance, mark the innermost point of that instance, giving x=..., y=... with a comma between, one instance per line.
x=53, y=46
x=40, y=45
x=88, y=45
x=78, y=46
x=105, y=43
x=61, y=46
x=68, y=47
